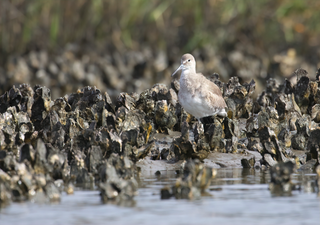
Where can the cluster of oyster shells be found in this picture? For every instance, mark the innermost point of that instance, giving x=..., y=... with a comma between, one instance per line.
x=194, y=178
x=84, y=137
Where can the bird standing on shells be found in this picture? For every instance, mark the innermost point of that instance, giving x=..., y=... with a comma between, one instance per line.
x=197, y=95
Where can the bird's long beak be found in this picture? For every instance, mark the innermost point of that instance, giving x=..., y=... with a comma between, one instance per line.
x=180, y=67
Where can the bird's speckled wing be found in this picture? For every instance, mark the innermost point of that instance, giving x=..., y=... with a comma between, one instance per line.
x=211, y=93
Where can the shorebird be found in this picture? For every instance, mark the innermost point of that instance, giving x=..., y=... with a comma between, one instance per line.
x=197, y=95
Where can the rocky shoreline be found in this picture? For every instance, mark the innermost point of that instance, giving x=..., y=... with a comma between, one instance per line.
x=48, y=146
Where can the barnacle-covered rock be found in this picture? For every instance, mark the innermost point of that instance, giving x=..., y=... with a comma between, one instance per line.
x=203, y=147
x=254, y=144
x=193, y=181
x=7, y=161
x=287, y=87
x=59, y=106
x=136, y=132
x=41, y=105
x=65, y=140
x=115, y=142
x=239, y=101
x=248, y=163
x=231, y=85
x=12, y=98
x=8, y=129
x=4, y=102
x=302, y=91
x=78, y=169
x=118, y=184
x=24, y=126
x=27, y=99
x=5, y=192
x=267, y=97
x=286, y=105
x=57, y=161
x=155, y=154
x=300, y=140
x=314, y=144
x=315, y=113
x=214, y=134
x=271, y=144
x=164, y=115
x=309, y=165
x=269, y=118
x=126, y=100
x=167, y=154
x=140, y=153
x=146, y=103
x=132, y=120
x=162, y=92
x=72, y=139
x=280, y=183
x=252, y=125
x=94, y=159
x=284, y=138
x=27, y=153
x=87, y=97
x=183, y=147
x=41, y=165
x=3, y=155
x=131, y=137
x=268, y=160
x=108, y=119
x=52, y=192
x=231, y=145
x=158, y=93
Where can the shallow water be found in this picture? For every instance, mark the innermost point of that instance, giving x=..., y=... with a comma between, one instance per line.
x=235, y=196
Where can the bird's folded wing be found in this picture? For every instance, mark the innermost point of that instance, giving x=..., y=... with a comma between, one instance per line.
x=215, y=100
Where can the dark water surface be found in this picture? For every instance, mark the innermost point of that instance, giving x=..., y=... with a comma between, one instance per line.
x=235, y=196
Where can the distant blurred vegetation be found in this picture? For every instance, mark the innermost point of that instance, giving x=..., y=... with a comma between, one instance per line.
x=261, y=26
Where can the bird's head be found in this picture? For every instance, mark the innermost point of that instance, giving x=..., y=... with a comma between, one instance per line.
x=187, y=63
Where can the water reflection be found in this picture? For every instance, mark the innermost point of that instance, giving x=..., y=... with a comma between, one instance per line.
x=233, y=176
x=235, y=196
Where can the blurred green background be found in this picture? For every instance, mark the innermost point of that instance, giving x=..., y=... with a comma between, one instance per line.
x=264, y=26
x=129, y=45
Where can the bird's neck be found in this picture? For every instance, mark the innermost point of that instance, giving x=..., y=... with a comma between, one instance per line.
x=187, y=73
x=186, y=79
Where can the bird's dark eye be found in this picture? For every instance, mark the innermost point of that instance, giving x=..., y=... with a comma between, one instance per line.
x=189, y=60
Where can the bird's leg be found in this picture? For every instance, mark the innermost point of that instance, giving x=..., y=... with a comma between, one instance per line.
x=200, y=124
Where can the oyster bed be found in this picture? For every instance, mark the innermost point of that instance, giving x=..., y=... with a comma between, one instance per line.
x=48, y=146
